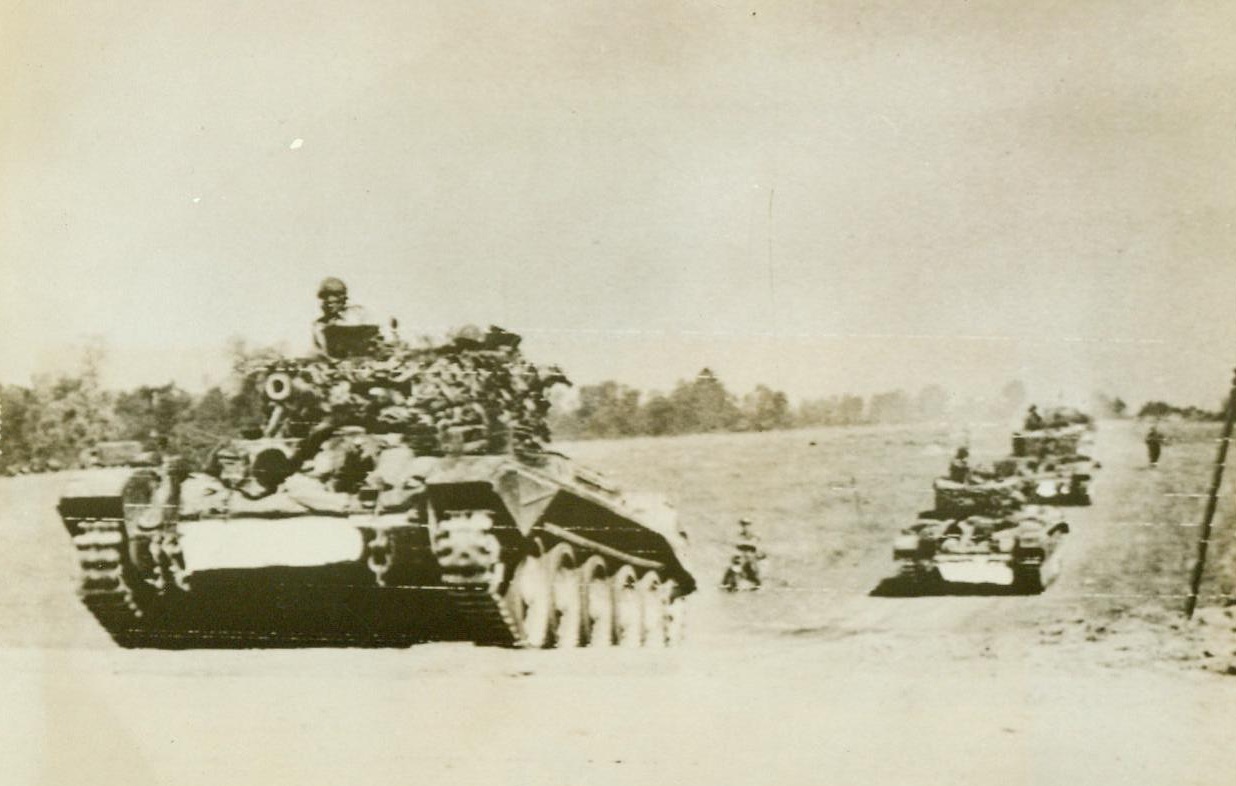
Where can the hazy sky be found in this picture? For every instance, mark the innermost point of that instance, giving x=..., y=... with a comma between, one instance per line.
x=821, y=196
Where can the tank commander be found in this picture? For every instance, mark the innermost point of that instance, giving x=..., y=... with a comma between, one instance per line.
x=333, y=298
x=1034, y=421
x=959, y=467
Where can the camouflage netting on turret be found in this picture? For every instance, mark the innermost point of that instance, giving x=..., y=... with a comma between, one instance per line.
x=473, y=395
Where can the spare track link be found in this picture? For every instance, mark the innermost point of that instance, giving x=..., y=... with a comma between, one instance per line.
x=486, y=617
x=102, y=584
x=468, y=554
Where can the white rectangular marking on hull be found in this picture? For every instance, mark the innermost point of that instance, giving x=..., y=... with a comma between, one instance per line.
x=260, y=543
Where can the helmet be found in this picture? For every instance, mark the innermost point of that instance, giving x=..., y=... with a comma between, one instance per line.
x=332, y=286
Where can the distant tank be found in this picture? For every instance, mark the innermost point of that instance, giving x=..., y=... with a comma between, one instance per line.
x=1059, y=417
x=122, y=453
x=1063, y=441
x=1054, y=464
x=396, y=495
x=981, y=533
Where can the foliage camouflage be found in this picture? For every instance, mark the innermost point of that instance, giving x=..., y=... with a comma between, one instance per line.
x=471, y=396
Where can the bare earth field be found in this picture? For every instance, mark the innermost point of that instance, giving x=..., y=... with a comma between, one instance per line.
x=816, y=679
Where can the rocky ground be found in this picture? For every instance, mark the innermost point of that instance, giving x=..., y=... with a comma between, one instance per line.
x=818, y=678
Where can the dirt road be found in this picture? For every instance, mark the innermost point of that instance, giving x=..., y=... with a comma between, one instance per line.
x=813, y=681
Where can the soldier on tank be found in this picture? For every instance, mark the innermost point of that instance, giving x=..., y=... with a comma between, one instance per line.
x=344, y=405
x=333, y=298
x=1034, y=421
x=959, y=467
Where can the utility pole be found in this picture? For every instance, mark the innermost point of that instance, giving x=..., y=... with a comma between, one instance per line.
x=1212, y=501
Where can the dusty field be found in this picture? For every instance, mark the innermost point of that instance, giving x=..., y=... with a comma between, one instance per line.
x=813, y=680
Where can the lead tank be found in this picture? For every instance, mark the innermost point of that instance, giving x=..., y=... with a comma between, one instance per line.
x=395, y=495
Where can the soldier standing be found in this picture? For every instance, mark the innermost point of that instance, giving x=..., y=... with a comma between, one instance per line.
x=1154, y=444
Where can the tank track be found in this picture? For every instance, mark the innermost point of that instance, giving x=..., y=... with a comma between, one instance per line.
x=1036, y=575
x=128, y=607
x=468, y=554
x=487, y=617
x=103, y=585
x=916, y=577
x=476, y=565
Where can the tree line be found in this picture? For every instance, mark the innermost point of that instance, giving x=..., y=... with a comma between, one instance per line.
x=704, y=404
x=1162, y=409
x=51, y=422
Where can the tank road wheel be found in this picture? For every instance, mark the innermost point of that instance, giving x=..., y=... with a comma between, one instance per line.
x=674, y=609
x=567, y=611
x=530, y=597
x=598, y=616
x=653, y=608
x=628, y=608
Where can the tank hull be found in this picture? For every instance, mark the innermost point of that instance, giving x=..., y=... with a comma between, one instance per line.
x=1067, y=488
x=1063, y=482
x=1027, y=574
x=493, y=551
x=1021, y=551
